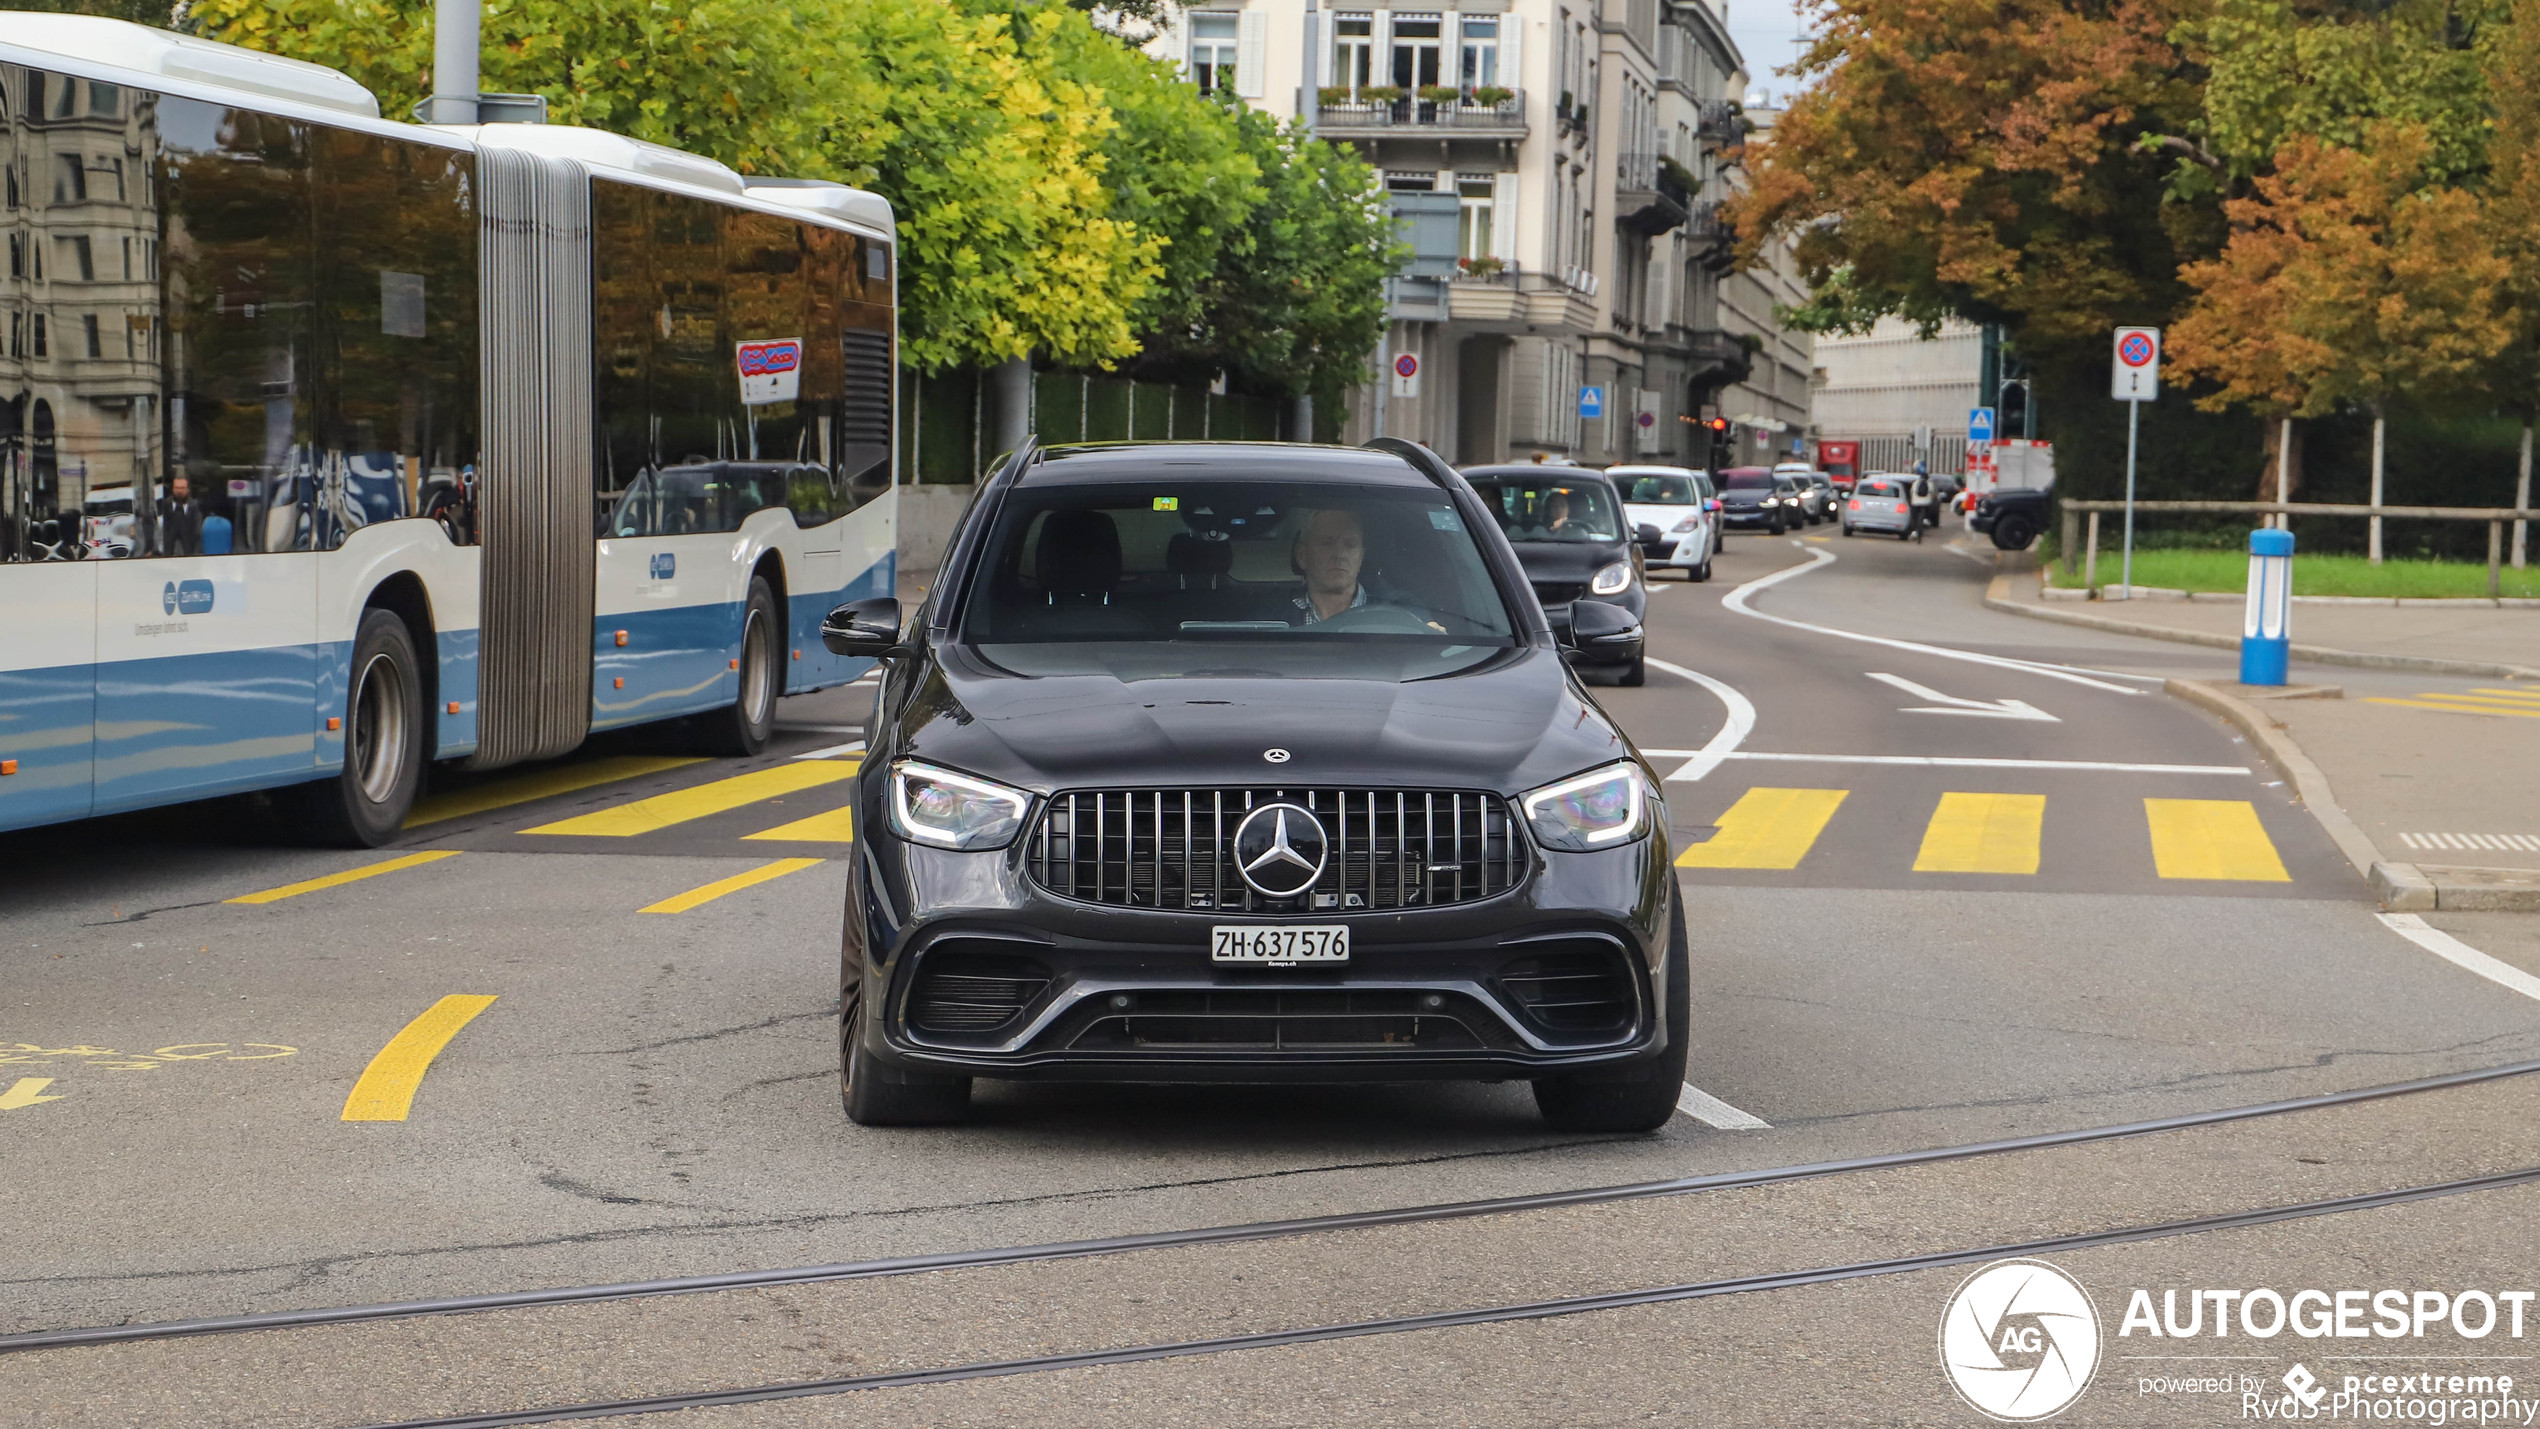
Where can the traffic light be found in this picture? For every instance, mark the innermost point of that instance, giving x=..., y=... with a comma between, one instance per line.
x=2014, y=401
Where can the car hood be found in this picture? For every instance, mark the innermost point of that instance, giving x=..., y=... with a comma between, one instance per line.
x=1567, y=562
x=1509, y=725
x=1743, y=498
x=1662, y=517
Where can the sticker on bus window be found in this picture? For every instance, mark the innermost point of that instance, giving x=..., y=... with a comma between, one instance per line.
x=1168, y=503
x=771, y=370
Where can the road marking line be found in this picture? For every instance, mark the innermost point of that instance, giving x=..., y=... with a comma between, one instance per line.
x=1703, y=1107
x=2522, y=696
x=2212, y=839
x=835, y=827
x=681, y=903
x=1741, y=721
x=1953, y=705
x=23, y=1093
x=1736, y=600
x=543, y=784
x=350, y=875
x=644, y=816
x=2452, y=950
x=1983, y=833
x=1766, y=828
x=386, y=1090
x=2525, y=843
x=836, y=751
x=2458, y=706
x=820, y=728
x=1946, y=762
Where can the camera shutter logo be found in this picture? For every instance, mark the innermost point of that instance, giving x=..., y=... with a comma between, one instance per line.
x=2019, y=1341
x=1280, y=850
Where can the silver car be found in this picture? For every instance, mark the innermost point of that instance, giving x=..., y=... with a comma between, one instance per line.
x=1881, y=501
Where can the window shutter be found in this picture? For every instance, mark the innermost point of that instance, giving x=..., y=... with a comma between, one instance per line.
x=1512, y=74
x=1503, y=217
x=1252, y=37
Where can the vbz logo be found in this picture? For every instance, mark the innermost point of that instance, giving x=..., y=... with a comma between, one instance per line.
x=665, y=565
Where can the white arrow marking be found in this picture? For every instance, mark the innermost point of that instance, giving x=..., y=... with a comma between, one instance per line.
x=24, y=1093
x=1981, y=709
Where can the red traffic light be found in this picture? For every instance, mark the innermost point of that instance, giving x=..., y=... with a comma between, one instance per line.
x=1718, y=424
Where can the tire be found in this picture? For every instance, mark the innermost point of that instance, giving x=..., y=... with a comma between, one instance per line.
x=1701, y=572
x=366, y=805
x=1635, y=674
x=1776, y=528
x=1644, y=1100
x=741, y=728
x=2014, y=532
x=1847, y=530
x=878, y=1096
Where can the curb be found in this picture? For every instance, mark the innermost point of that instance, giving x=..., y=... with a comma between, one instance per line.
x=1997, y=596
x=2311, y=787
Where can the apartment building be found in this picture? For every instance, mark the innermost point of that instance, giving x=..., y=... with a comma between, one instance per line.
x=1558, y=166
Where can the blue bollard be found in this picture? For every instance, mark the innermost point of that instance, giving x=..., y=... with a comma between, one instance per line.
x=2266, y=635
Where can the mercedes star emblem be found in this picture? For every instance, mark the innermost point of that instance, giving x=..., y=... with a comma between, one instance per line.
x=1280, y=850
x=1275, y=756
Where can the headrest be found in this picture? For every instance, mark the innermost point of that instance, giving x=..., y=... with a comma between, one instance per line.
x=1191, y=554
x=1079, y=553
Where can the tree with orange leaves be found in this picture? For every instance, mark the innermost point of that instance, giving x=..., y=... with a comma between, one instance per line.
x=2351, y=276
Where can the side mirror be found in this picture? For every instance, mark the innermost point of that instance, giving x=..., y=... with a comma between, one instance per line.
x=1595, y=625
x=1711, y=504
x=1647, y=534
x=866, y=628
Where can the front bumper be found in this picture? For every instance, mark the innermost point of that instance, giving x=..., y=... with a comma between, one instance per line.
x=1756, y=516
x=1101, y=992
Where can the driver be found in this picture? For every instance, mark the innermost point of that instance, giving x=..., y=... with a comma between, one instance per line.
x=1331, y=547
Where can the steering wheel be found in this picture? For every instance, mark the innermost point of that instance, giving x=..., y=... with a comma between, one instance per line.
x=1375, y=620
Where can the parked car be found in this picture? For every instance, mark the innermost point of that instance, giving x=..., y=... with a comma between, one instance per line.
x=1567, y=528
x=1151, y=796
x=1673, y=513
x=1751, y=496
x=1881, y=501
x=1816, y=491
x=2012, y=518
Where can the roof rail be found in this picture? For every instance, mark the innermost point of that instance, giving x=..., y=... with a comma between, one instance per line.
x=1423, y=460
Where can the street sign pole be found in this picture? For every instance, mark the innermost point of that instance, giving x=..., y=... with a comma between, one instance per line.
x=2133, y=418
x=2134, y=379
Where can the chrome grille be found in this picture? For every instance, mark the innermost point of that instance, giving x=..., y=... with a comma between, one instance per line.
x=1174, y=848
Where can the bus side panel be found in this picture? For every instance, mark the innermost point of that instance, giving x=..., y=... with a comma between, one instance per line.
x=676, y=603
x=852, y=558
x=207, y=676
x=349, y=577
x=48, y=690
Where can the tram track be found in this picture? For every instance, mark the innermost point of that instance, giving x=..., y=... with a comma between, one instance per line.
x=100, y=1336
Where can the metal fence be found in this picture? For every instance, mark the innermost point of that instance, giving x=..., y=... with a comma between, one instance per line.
x=2282, y=512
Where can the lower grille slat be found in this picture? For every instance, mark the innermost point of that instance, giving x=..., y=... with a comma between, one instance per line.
x=1384, y=848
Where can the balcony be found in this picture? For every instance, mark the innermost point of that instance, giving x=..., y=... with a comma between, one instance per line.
x=1719, y=359
x=1652, y=193
x=1723, y=124
x=1714, y=243
x=1377, y=113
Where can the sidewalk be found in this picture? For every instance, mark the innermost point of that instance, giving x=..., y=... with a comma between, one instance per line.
x=2455, y=638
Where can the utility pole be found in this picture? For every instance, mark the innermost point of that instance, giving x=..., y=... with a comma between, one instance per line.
x=455, y=42
x=1309, y=107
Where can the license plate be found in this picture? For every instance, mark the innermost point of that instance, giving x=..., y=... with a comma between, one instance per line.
x=1278, y=947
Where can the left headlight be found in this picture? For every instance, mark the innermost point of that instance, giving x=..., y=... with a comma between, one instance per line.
x=1690, y=523
x=1613, y=580
x=1603, y=808
x=948, y=810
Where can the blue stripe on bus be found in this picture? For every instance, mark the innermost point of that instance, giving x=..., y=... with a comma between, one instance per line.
x=48, y=724
x=179, y=727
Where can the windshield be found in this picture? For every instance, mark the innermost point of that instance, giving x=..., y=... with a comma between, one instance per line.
x=1531, y=508
x=1662, y=491
x=1274, y=579
x=1873, y=487
x=1746, y=481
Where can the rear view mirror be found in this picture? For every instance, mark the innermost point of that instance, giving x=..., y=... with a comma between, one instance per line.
x=866, y=628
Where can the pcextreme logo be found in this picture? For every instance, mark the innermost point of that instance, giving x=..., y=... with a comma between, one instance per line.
x=2019, y=1341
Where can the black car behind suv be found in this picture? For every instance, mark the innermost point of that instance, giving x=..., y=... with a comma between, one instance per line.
x=1249, y=763
x=1566, y=525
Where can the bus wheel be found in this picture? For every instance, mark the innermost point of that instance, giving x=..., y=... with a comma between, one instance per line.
x=365, y=806
x=741, y=728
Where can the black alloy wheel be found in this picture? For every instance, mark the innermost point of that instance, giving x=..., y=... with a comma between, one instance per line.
x=878, y=1096
x=366, y=805
x=1644, y=1099
x=2014, y=532
x=742, y=728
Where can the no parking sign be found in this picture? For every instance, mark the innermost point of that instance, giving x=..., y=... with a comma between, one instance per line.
x=1406, y=375
x=2137, y=374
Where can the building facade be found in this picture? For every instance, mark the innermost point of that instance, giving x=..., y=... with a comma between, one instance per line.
x=1558, y=166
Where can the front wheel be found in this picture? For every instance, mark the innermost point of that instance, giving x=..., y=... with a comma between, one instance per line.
x=1701, y=572
x=1646, y=1098
x=876, y=1096
x=366, y=805
x=1635, y=674
x=2014, y=532
x=741, y=728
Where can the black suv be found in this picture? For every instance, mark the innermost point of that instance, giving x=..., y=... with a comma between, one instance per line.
x=1249, y=763
x=2012, y=518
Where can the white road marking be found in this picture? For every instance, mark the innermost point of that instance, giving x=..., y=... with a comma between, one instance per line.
x=1736, y=600
x=1703, y=1107
x=1741, y=721
x=2527, y=843
x=836, y=751
x=820, y=728
x=1951, y=762
x=1952, y=705
x=2452, y=950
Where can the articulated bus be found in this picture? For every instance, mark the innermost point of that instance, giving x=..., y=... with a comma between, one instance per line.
x=331, y=447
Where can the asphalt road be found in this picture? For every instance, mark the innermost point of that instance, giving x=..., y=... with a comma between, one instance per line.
x=2088, y=905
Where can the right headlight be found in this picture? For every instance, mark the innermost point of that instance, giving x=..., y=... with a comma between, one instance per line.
x=1613, y=580
x=1690, y=523
x=948, y=810
x=1603, y=808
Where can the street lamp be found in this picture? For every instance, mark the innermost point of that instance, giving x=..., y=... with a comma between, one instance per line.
x=2266, y=637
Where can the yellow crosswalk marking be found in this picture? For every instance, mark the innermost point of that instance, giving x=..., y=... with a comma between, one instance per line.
x=2212, y=838
x=1983, y=833
x=503, y=793
x=1766, y=828
x=661, y=811
x=2453, y=704
x=350, y=875
x=2522, y=696
x=681, y=903
x=835, y=827
x=386, y=1091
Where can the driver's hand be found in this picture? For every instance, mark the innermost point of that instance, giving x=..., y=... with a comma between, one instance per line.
x=1433, y=625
